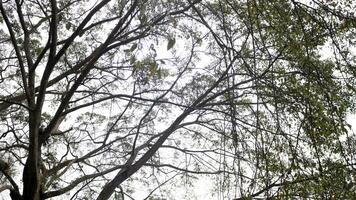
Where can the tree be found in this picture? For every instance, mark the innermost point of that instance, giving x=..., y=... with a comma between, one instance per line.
x=97, y=97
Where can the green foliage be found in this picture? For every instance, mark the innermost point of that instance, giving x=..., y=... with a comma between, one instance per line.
x=171, y=42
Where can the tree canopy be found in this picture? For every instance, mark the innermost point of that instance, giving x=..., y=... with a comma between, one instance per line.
x=106, y=99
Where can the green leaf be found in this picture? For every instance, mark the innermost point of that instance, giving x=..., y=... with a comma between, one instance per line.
x=133, y=47
x=132, y=59
x=171, y=42
x=20, y=40
x=68, y=26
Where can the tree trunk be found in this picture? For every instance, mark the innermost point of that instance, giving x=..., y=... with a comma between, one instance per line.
x=31, y=174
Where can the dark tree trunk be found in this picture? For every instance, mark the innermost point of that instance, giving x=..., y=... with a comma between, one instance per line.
x=31, y=174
